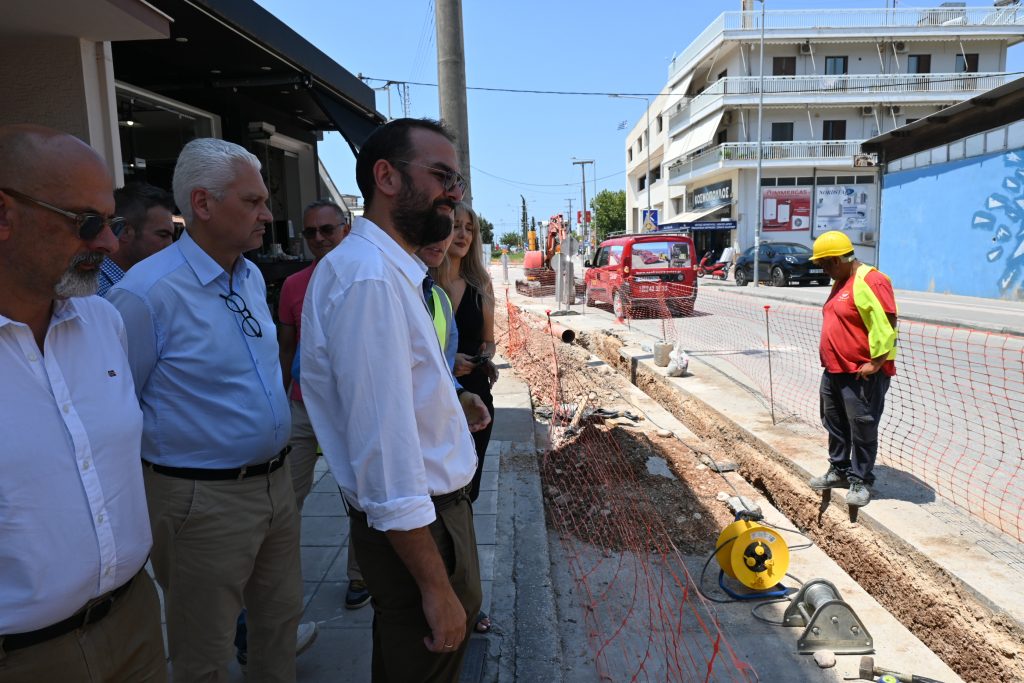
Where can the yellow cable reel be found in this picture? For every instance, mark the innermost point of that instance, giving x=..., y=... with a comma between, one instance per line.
x=757, y=557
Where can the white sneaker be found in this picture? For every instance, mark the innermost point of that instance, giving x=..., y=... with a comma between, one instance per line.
x=304, y=636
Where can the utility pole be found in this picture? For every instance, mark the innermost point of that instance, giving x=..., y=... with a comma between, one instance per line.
x=582, y=163
x=451, y=81
x=758, y=192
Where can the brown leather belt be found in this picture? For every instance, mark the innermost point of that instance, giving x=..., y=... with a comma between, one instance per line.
x=93, y=611
x=204, y=474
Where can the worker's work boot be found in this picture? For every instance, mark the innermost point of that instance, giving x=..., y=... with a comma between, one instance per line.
x=859, y=495
x=833, y=479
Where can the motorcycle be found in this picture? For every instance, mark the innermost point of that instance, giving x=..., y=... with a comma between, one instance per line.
x=718, y=270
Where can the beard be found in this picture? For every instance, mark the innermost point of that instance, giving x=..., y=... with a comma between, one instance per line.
x=418, y=221
x=75, y=282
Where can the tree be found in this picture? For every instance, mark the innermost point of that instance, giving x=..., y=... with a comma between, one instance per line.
x=510, y=239
x=486, y=230
x=609, y=212
x=524, y=221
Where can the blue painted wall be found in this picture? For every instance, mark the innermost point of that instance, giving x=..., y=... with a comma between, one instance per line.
x=957, y=227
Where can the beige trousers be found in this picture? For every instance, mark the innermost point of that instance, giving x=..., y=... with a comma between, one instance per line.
x=302, y=460
x=216, y=546
x=126, y=646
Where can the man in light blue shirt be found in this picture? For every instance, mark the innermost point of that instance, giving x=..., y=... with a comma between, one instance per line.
x=216, y=424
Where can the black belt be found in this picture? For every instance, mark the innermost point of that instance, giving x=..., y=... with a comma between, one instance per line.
x=447, y=500
x=93, y=611
x=204, y=474
x=441, y=502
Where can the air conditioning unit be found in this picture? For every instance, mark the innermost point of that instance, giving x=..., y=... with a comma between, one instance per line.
x=900, y=47
x=805, y=48
x=895, y=111
x=867, y=237
x=867, y=111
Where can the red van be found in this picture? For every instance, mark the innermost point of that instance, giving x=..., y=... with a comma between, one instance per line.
x=650, y=272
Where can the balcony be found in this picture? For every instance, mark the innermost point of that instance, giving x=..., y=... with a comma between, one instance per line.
x=854, y=89
x=808, y=24
x=744, y=154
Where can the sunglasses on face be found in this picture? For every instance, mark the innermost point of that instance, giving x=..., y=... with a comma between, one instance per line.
x=325, y=230
x=89, y=224
x=449, y=179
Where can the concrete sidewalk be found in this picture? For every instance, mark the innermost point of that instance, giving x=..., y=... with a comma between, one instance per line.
x=342, y=651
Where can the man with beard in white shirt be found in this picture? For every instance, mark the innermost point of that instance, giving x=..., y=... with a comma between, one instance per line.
x=389, y=416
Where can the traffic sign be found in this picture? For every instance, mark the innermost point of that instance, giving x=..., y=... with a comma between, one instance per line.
x=650, y=219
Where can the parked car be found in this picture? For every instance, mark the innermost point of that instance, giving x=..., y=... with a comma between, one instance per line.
x=780, y=263
x=648, y=272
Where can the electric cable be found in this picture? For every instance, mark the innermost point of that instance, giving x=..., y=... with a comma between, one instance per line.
x=835, y=87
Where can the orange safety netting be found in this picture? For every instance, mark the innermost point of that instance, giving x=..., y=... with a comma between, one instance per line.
x=643, y=614
x=952, y=416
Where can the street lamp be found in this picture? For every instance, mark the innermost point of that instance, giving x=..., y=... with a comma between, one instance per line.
x=647, y=181
x=760, y=157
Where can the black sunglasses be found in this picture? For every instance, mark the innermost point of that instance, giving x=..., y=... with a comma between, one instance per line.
x=325, y=230
x=89, y=224
x=449, y=179
x=236, y=304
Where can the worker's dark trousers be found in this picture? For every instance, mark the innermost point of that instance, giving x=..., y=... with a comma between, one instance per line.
x=851, y=409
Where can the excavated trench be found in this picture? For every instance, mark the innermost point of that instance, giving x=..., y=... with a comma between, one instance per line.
x=975, y=642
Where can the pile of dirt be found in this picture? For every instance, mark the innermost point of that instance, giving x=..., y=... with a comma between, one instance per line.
x=603, y=484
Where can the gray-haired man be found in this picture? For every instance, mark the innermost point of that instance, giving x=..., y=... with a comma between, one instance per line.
x=216, y=424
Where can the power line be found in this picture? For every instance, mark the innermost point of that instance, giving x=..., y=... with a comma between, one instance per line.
x=516, y=182
x=837, y=85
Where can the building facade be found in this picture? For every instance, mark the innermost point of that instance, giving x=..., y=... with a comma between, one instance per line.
x=832, y=78
x=952, y=210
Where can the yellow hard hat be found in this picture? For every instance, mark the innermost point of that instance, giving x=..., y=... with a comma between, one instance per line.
x=831, y=243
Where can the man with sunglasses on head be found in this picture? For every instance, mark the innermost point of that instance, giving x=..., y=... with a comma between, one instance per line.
x=149, y=214
x=75, y=603
x=216, y=425
x=387, y=412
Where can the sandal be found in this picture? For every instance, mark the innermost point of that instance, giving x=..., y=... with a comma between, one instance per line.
x=483, y=623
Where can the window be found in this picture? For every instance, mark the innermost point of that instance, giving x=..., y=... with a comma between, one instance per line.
x=656, y=174
x=641, y=182
x=723, y=137
x=919, y=64
x=630, y=153
x=640, y=144
x=833, y=130
x=659, y=123
x=782, y=132
x=837, y=66
x=784, y=66
x=615, y=255
x=966, y=63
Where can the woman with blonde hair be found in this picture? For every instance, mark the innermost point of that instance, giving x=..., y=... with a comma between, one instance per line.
x=464, y=277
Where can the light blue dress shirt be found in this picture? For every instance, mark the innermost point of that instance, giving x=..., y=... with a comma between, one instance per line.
x=212, y=397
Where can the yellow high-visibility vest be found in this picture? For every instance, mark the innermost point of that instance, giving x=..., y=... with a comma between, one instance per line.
x=881, y=335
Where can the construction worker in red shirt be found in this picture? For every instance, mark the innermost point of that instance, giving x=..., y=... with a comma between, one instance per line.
x=857, y=350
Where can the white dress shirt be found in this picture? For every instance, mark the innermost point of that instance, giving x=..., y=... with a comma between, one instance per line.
x=379, y=392
x=73, y=518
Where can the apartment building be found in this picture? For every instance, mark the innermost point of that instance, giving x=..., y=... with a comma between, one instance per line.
x=832, y=78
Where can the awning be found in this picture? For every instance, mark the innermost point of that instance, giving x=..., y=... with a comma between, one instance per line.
x=696, y=137
x=234, y=55
x=677, y=94
x=691, y=216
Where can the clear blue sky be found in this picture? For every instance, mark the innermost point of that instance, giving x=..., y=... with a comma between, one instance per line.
x=528, y=140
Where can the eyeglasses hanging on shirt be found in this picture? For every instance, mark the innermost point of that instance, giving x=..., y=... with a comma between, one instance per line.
x=236, y=304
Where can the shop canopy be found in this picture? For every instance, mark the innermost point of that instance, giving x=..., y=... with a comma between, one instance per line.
x=696, y=137
x=220, y=49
